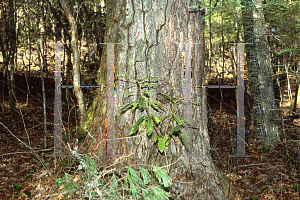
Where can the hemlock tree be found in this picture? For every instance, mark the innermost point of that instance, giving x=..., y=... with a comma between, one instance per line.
x=149, y=31
x=264, y=112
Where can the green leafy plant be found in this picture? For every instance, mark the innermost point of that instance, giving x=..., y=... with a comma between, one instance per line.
x=69, y=186
x=29, y=174
x=296, y=187
x=254, y=197
x=16, y=187
x=118, y=184
x=163, y=131
x=28, y=194
x=263, y=188
x=138, y=183
x=264, y=149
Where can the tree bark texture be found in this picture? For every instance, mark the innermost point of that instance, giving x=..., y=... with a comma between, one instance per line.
x=264, y=111
x=149, y=31
x=76, y=65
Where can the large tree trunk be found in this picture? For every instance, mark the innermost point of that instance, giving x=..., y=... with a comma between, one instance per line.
x=76, y=64
x=149, y=31
x=264, y=112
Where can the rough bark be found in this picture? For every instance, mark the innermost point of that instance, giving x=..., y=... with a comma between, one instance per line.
x=264, y=112
x=76, y=65
x=149, y=30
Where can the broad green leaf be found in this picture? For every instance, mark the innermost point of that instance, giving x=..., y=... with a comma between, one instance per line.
x=150, y=126
x=156, y=119
x=185, y=139
x=136, y=125
x=176, y=128
x=157, y=102
x=142, y=102
x=166, y=137
x=167, y=143
x=125, y=107
x=155, y=137
x=134, y=106
x=161, y=144
x=166, y=95
x=154, y=105
x=178, y=120
x=143, y=124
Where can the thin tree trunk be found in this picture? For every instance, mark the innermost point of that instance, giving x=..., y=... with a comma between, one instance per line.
x=76, y=64
x=24, y=70
x=29, y=60
x=3, y=47
x=223, y=60
x=68, y=72
x=12, y=52
x=4, y=55
x=44, y=96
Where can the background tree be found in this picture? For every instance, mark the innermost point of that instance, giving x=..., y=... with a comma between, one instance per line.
x=76, y=56
x=12, y=50
x=264, y=112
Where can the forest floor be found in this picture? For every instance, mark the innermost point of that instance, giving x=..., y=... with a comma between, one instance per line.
x=272, y=173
